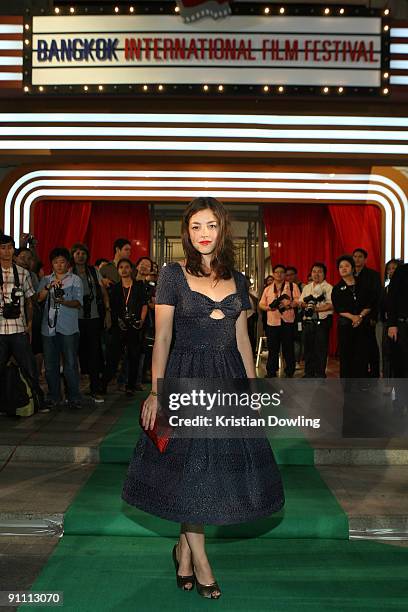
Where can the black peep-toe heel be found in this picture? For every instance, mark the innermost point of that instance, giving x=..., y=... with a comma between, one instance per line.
x=208, y=590
x=182, y=581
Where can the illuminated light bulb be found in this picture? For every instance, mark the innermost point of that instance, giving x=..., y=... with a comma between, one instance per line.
x=27, y=27
x=132, y=9
x=340, y=89
x=386, y=28
x=327, y=11
x=266, y=88
x=160, y=88
x=385, y=90
x=220, y=87
x=145, y=88
x=41, y=88
x=325, y=90
x=281, y=10
x=85, y=87
x=72, y=10
x=341, y=11
x=116, y=9
x=27, y=42
x=281, y=89
x=386, y=75
x=205, y=87
x=387, y=12
x=56, y=10
x=26, y=88
x=176, y=9
x=100, y=87
x=267, y=10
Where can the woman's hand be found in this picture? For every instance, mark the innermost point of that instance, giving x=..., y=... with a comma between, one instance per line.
x=149, y=412
x=356, y=320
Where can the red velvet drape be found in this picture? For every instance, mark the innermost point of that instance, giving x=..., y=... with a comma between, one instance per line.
x=97, y=224
x=300, y=234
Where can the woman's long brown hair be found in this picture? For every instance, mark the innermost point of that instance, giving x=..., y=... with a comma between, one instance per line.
x=223, y=261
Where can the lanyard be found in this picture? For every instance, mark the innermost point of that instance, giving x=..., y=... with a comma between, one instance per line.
x=126, y=297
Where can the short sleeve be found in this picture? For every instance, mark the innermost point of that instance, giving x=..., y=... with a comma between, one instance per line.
x=77, y=289
x=28, y=288
x=166, y=290
x=243, y=292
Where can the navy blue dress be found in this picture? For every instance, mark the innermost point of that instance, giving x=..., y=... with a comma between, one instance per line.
x=207, y=481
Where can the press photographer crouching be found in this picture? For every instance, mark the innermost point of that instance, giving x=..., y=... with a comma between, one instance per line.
x=16, y=315
x=317, y=311
x=128, y=300
x=93, y=317
x=62, y=292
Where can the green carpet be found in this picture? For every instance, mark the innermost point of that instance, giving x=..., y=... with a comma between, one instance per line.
x=118, y=445
x=311, y=511
x=112, y=574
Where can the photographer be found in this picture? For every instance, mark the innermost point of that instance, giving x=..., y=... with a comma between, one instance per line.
x=62, y=293
x=129, y=308
x=317, y=311
x=93, y=317
x=16, y=314
x=279, y=300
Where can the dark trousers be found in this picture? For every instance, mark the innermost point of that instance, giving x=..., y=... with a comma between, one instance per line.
x=353, y=349
x=373, y=353
x=400, y=364
x=277, y=336
x=316, y=343
x=18, y=346
x=252, y=329
x=119, y=341
x=90, y=350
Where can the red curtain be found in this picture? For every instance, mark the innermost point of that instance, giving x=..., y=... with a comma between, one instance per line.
x=111, y=220
x=60, y=223
x=97, y=224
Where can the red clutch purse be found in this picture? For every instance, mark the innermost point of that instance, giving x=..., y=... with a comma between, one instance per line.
x=160, y=434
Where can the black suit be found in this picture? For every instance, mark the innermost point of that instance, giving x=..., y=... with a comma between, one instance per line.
x=370, y=282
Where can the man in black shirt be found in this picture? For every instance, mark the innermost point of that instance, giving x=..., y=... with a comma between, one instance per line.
x=397, y=318
x=370, y=282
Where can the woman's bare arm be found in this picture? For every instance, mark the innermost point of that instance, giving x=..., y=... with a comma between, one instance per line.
x=244, y=345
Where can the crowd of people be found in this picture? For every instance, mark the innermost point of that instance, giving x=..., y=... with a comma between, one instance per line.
x=82, y=319
x=97, y=319
x=371, y=319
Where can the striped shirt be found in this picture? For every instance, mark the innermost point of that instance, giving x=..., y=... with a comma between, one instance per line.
x=14, y=326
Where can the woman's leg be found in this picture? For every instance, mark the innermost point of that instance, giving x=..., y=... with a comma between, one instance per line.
x=183, y=555
x=195, y=537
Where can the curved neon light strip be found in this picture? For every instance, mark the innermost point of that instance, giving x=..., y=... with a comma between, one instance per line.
x=294, y=176
x=242, y=195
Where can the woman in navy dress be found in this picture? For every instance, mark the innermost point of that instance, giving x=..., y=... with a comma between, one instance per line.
x=201, y=306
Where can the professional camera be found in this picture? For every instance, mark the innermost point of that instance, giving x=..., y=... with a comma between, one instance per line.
x=277, y=303
x=132, y=322
x=58, y=295
x=12, y=310
x=312, y=302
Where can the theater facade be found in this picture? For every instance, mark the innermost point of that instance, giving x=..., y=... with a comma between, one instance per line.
x=114, y=115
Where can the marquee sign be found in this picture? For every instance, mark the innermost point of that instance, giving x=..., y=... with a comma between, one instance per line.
x=251, y=50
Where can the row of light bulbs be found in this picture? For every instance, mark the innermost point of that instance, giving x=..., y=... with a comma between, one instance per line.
x=206, y=88
x=267, y=10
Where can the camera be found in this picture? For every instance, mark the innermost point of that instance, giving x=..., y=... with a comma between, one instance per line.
x=12, y=310
x=277, y=303
x=312, y=302
x=58, y=294
x=132, y=322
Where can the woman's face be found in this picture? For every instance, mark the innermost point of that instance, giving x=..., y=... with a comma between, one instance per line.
x=345, y=269
x=317, y=275
x=269, y=281
x=124, y=270
x=144, y=266
x=279, y=275
x=203, y=229
x=391, y=269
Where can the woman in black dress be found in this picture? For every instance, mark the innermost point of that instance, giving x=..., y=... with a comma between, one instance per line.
x=350, y=300
x=201, y=306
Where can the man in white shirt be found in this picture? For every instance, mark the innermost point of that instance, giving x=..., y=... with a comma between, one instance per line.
x=317, y=319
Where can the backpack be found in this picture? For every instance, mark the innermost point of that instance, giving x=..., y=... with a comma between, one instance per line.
x=16, y=395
